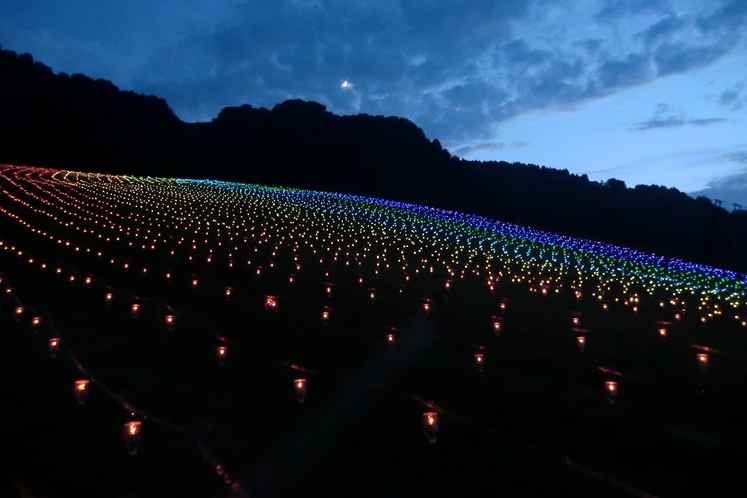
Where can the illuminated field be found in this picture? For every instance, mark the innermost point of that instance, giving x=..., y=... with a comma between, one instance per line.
x=124, y=274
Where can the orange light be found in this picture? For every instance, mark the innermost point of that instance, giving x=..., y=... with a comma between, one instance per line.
x=108, y=297
x=702, y=360
x=611, y=387
x=81, y=391
x=194, y=283
x=271, y=303
x=663, y=333
x=135, y=310
x=479, y=361
x=131, y=434
x=300, y=387
x=54, y=346
x=430, y=425
x=220, y=354
x=581, y=343
x=575, y=320
x=497, y=327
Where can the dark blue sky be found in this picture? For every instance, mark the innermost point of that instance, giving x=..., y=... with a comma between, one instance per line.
x=647, y=91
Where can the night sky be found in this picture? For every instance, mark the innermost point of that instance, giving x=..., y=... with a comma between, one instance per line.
x=646, y=91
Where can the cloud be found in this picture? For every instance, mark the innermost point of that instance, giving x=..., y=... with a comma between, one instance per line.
x=459, y=70
x=734, y=97
x=732, y=188
x=616, y=9
x=667, y=117
x=674, y=58
x=728, y=17
x=666, y=27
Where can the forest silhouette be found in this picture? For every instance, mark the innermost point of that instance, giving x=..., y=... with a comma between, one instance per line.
x=75, y=122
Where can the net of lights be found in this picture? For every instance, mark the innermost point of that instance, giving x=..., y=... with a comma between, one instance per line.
x=355, y=229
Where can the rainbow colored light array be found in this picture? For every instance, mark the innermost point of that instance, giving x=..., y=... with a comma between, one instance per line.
x=230, y=220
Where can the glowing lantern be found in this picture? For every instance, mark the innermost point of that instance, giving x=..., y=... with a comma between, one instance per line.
x=390, y=341
x=131, y=435
x=426, y=308
x=703, y=319
x=170, y=322
x=58, y=271
x=299, y=385
x=81, y=391
x=329, y=290
x=168, y=276
x=447, y=285
x=611, y=387
x=271, y=304
x=503, y=305
x=227, y=293
x=430, y=426
x=702, y=361
x=88, y=282
x=479, y=361
x=497, y=327
x=54, y=346
x=36, y=323
x=325, y=316
x=677, y=317
x=194, y=284
x=635, y=310
x=581, y=343
x=72, y=279
x=290, y=281
x=605, y=306
x=372, y=296
x=19, y=313
x=576, y=320
x=663, y=333
x=8, y=292
x=135, y=310
x=220, y=354
x=360, y=280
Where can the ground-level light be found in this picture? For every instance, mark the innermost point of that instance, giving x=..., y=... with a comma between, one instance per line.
x=479, y=361
x=611, y=388
x=581, y=343
x=131, y=434
x=220, y=354
x=430, y=426
x=54, y=346
x=81, y=391
x=299, y=386
x=702, y=361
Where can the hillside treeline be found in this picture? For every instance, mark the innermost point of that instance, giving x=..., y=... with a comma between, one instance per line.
x=78, y=123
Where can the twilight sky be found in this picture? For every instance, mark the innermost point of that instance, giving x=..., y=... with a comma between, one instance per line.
x=646, y=91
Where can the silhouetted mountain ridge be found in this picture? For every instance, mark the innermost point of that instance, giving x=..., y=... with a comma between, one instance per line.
x=75, y=122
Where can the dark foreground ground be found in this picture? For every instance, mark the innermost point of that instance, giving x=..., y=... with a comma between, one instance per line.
x=535, y=422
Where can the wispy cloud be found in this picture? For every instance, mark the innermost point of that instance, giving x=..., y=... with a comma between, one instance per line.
x=735, y=97
x=666, y=117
